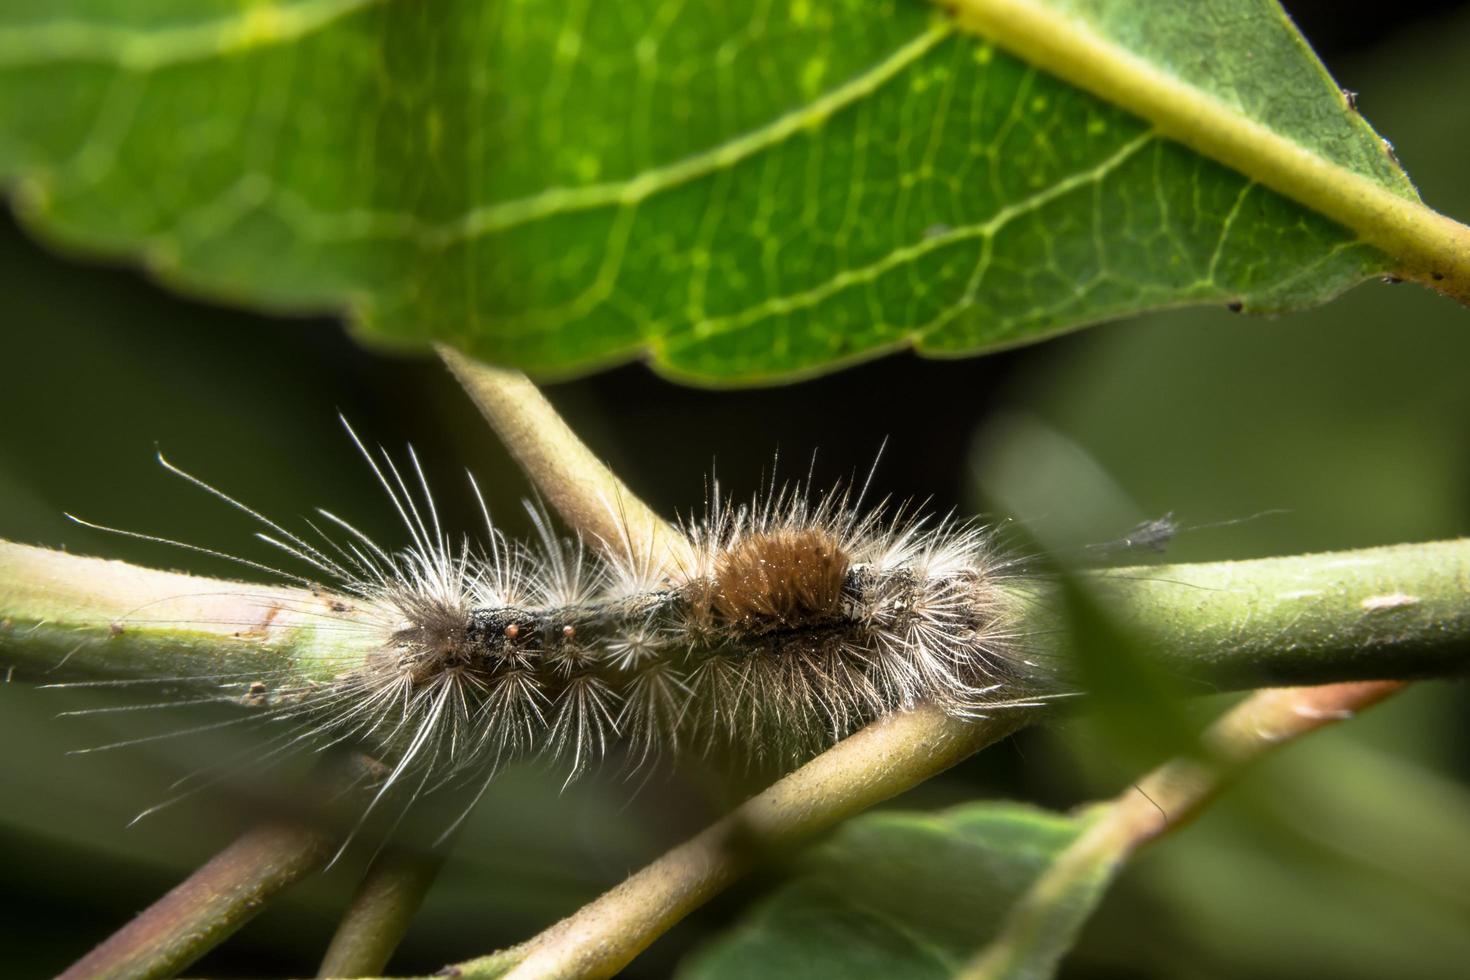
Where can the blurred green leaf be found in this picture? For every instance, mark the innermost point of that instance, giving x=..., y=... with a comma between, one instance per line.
x=1132, y=710
x=895, y=895
x=740, y=193
x=1134, y=707
x=1327, y=862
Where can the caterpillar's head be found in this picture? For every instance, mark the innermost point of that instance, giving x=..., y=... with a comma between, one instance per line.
x=433, y=635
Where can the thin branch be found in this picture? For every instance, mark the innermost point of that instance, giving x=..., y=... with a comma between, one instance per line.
x=881, y=761
x=63, y=616
x=1039, y=926
x=576, y=483
x=209, y=905
x=381, y=910
x=237, y=884
x=1399, y=612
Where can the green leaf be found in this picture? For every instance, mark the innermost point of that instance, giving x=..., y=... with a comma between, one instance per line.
x=740, y=192
x=901, y=895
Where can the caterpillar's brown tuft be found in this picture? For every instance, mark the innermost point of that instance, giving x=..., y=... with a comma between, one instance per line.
x=780, y=579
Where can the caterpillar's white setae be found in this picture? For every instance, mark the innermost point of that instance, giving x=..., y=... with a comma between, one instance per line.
x=783, y=625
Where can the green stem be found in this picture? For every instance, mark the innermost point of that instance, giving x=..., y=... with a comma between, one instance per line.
x=877, y=763
x=64, y=616
x=235, y=885
x=1399, y=612
x=587, y=495
x=881, y=761
x=213, y=902
x=381, y=910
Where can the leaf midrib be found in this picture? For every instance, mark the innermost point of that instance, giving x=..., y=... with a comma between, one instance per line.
x=1424, y=245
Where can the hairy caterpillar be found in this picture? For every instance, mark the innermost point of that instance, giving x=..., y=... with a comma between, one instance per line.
x=780, y=626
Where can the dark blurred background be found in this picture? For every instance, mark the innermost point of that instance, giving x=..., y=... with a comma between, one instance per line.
x=1349, y=856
